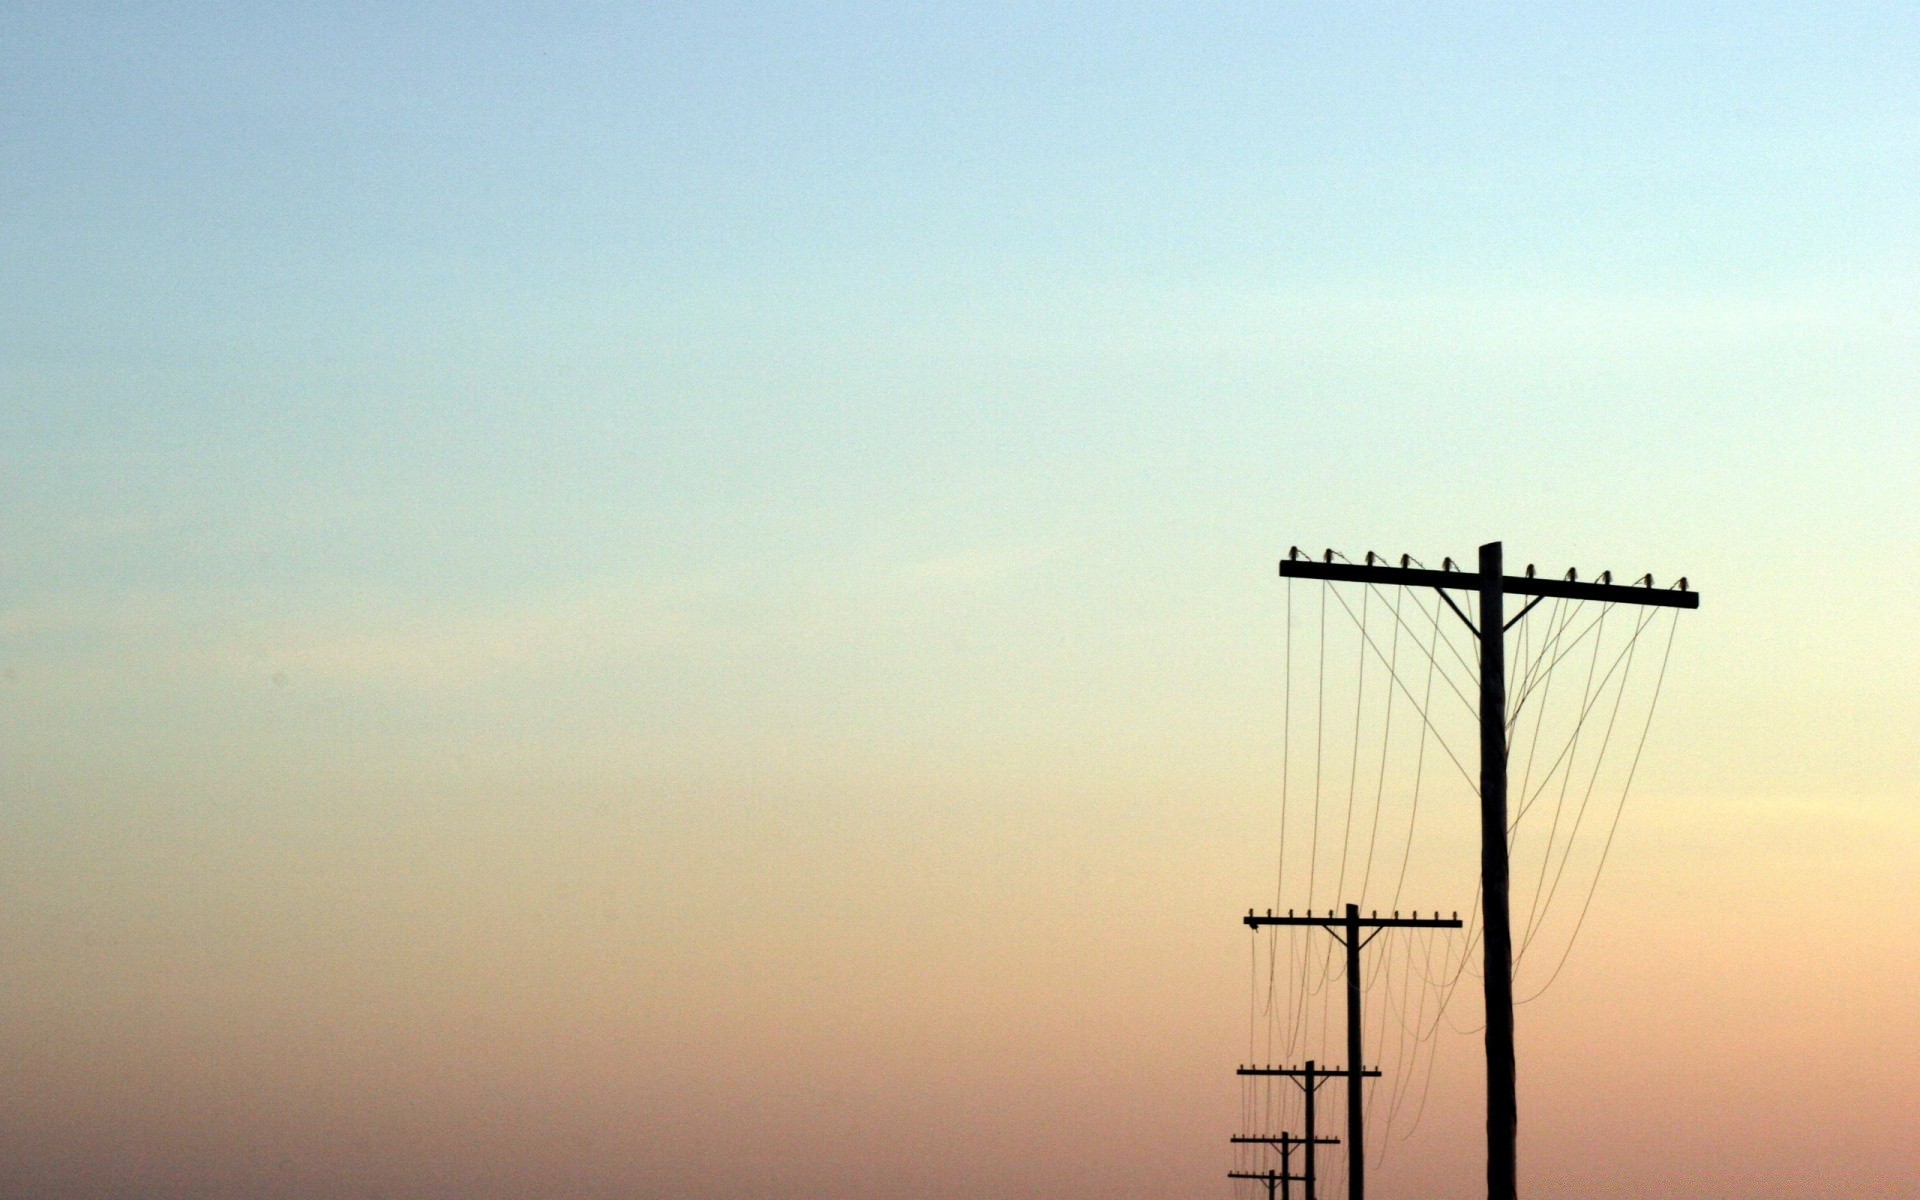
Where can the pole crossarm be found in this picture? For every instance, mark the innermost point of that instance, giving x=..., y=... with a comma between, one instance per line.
x=1307, y=1072
x=1376, y=921
x=1264, y=1176
x=1512, y=585
x=1286, y=1139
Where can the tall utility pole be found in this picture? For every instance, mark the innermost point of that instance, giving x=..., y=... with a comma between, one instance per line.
x=1493, y=586
x=1285, y=1177
x=1309, y=1077
x=1503, y=1100
x=1346, y=930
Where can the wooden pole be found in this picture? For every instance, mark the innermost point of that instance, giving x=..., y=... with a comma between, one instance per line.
x=1313, y=1175
x=1503, y=1119
x=1356, y=1139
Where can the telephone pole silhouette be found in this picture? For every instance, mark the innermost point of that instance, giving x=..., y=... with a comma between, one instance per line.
x=1492, y=586
x=1272, y=1179
x=1284, y=1177
x=1309, y=1077
x=1346, y=930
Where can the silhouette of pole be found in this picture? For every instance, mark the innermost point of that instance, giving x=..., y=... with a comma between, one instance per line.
x=1309, y=1077
x=1356, y=1133
x=1493, y=586
x=1286, y=1142
x=1347, y=930
x=1313, y=1165
x=1503, y=1113
x=1272, y=1179
x=1312, y=1087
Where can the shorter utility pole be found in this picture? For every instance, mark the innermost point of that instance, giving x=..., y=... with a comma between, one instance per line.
x=1273, y=1179
x=1309, y=1077
x=1346, y=930
x=1285, y=1143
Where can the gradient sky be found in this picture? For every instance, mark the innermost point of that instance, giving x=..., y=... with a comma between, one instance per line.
x=678, y=601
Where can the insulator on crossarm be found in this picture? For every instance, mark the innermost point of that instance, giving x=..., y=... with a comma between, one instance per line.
x=1683, y=583
x=1645, y=580
x=1369, y=558
x=1293, y=552
x=1606, y=577
x=1329, y=554
x=1446, y=564
x=1406, y=560
x=1572, y=574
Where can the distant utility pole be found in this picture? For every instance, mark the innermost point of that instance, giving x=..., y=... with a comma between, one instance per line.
x=1309, y=1077
x=1346, y=930
x=1492, y=586
x=1272, y=1179
x=1286, y=1178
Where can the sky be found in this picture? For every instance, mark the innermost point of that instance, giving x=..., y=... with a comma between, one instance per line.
x=679, y=600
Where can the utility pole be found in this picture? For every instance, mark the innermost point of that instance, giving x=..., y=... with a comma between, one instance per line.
x=1285, y=1143
x=1503, y=1100
x=1272, y=1179
x=1309, y=1077
x=1493, y=586
x=1346, y=930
